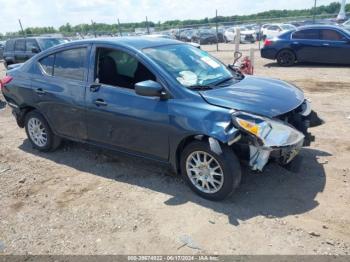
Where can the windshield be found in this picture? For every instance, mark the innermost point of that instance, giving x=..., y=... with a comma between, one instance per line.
x=50, y=42
x=190, y=66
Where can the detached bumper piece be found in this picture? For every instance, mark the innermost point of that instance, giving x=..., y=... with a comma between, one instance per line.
x=259, y=156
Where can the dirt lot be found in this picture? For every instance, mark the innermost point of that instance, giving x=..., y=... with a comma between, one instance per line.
x=82, y=200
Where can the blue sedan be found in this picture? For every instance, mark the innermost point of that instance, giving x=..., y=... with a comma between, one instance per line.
x=160, y=99
x=317, y=44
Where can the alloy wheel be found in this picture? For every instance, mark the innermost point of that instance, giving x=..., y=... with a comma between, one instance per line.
x=37, y=132
x=204, y=172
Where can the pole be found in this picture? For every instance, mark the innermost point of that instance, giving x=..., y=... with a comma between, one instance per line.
x=20, y=24
x=147, y=25
x=93, y=27
x=314, y=18
x=260, y=35
x=237, y=41
x=217, y=30
x=120, y=29
x=342, y=13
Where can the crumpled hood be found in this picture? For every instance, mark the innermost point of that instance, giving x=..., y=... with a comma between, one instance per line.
x=262, y=96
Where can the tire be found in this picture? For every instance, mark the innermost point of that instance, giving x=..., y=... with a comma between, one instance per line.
x=34, y=120
x=286, y=58
x=229, y=167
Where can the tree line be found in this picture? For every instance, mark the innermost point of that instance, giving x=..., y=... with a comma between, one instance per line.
x=69, y=29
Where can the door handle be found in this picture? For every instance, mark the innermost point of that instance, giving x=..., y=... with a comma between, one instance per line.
x=40, y=91
x=325, y=44
x=296, y=43
x=95, y=87
x=100, y=102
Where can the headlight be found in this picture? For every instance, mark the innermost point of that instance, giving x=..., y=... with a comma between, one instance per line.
x=272, y=133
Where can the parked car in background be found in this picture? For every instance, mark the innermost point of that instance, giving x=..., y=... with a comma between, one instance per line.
x=204, y=36
x=186, y=35
x=160, y=99
x=2, y=46
x=221, y=32
x=318, y=43
x=247, y=35
x=170, y=37
x=21, y=49
x=276, y=29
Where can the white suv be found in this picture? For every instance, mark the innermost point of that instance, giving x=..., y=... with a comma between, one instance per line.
x=276, y=29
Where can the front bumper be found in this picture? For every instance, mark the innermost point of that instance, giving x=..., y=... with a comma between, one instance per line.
x=300, y=119
x=259, y=155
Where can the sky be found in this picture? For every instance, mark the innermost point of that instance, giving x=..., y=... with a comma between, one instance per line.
x=58, y=12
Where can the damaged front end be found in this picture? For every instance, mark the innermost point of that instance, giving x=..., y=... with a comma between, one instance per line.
x=280, y=138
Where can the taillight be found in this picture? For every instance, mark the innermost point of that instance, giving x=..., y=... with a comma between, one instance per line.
x=5, y=81
x=268, y=42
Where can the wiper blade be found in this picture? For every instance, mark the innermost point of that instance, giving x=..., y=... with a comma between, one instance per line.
x=223, y=81
x=200, y=87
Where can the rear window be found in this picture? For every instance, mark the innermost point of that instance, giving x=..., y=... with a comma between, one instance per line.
x=68, y=64
x=310, y=34
x=10, y=45
x=20, y=45
x=331, y=35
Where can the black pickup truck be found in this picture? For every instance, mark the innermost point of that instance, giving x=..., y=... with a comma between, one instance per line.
x=20, y=50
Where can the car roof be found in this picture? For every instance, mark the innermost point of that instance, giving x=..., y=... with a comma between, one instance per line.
x=134, y=42
x=320, y=27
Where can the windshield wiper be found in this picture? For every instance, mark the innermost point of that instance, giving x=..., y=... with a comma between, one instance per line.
x=223, y=81
x=200, y=87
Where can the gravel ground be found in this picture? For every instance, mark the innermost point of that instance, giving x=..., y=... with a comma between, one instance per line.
x=83, y=200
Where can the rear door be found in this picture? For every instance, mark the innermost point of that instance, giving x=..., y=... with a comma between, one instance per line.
x=20, y=51
x=60, y=90
x=335, y=47
x=307, y=45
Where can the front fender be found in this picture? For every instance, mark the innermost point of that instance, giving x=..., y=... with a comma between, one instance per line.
x=191, y=119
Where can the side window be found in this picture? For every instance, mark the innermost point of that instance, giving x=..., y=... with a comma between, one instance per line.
x=30, y=44
x=273, y=28
x=310, y=34
x=70, y=64
x=118, y=68
x=10, y=45
x=20, y=45
x=47, y=64
x=331, y=35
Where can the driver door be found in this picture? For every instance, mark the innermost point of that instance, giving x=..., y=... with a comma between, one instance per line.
x=119, y=118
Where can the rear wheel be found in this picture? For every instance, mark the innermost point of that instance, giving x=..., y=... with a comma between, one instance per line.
x=286, y=58
x=210, y=175
x=39, y=132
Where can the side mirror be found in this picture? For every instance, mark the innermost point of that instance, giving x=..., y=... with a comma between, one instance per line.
x=149, y=88
x=35, y=50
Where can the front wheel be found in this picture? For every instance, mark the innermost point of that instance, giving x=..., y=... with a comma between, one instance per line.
x=39, y=132
x=210, y=175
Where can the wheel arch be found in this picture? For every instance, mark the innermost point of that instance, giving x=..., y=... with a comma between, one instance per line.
x=23, y=111
x=197, y=137
x=287, y=49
